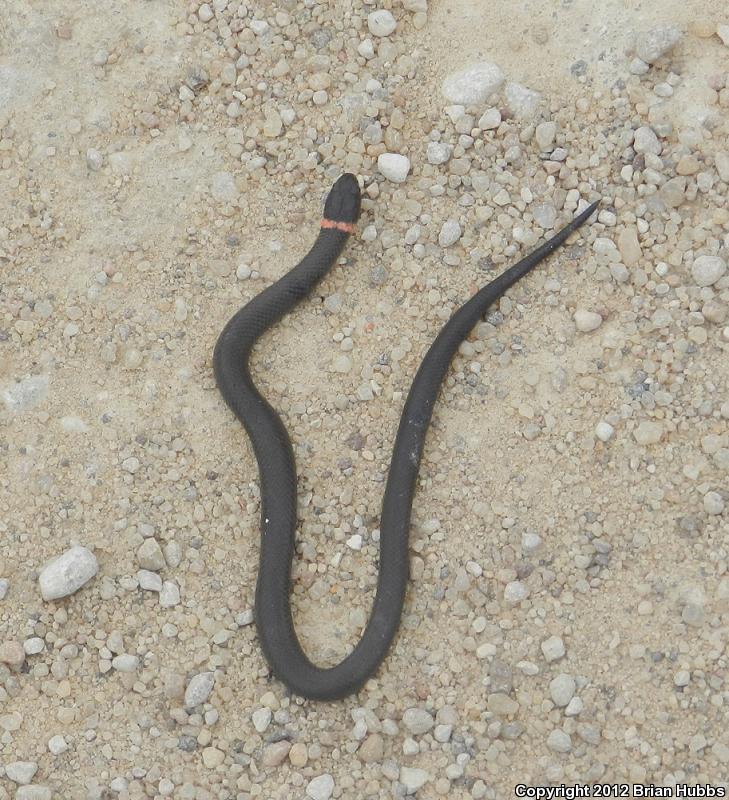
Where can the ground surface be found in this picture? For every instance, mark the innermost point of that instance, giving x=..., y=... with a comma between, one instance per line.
x=567, y=619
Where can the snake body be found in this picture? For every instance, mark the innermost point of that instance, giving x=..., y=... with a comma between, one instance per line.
x=277, y=467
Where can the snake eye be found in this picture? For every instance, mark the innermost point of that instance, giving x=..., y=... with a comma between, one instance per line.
x=343, y=201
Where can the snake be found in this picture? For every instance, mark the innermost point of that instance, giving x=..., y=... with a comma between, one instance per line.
x=277, y=466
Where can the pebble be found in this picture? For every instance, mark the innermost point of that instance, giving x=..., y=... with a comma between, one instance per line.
x=413, y=778
x=199, y=688
x=653, y=44
x=4, y=586
x=12, y=654
x=33, y=646
x=629, y=246
x=417, y=721
x=559, y=741
x=275, y=754
x=721, y=160
x=439, y=153
x=545, y=215
x=707, y=270
x=67, y=573
x=713, y=503
x=170, y=594
x=553, y=648
x=150, y=555
x=298, y=755
x=562, y=689
x=604, y=431
x=522, y=102
x=321, y=787
x=381, y=22
x=648, y=432
x=393, y=166
x=490, y=119
x=223, y=187
x=149, y=581
x=212, y=757
x=261, y=719
x=515, y=592
x=587, y=321
x=26, y=394
x=450, y=233
x=474, y=85
x=94, y=159
x=646, y=141
x=545, y=134
x=125, y=663
x=21, y=772
x=57, y=745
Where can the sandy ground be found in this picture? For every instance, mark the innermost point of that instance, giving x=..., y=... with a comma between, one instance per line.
x=135, y=219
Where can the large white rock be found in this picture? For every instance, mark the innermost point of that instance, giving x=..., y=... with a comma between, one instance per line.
x=707, y=270
x=68, y=573
x=474, y=85
x=393, y=166
x=381, y=22
x=652, y=44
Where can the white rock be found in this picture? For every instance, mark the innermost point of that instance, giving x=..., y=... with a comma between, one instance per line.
x=474, y=85
x=417, y=720
x=26, y=394
x=439, y=152
x=67, y=573
x=393, y=166
x=21, y=772
x=713, y=503
x=223, y=187
x=646, y=141
x=205, y=13
x=515, y=592
x=57, y=745
x=722, y=32
x=261, y=719
x=450, y=233
x=94, y=159
x=4, y=586
x=650, y=46
x=545, y=134
x=34, y=645
x=523, y=102
x=125, y=663
x=721, y=159
x=413, y=779
x=707, y=270
x=170, y=595
x=199, y=689
x=150, y=556
x=648, y=432
x=604, y=431
x=559, y=741
x=587, y=321
x=553, y=648
x=381, y=22
x=321, y=787
x=490, y=119
x=562, y=689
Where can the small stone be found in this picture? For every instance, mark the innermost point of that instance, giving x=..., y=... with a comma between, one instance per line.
x=393, y=166
x=67, y=573
x=321, y=787
x=94, y=159
x=553, y=648
x=26, y=394
x=170, y=595
x=648, y=432
x=545, y=134
x=12, y=654
x=381, y=22
x=275, y=754
x=515, y=592
x=149, y=581
x=57, y=745
x=150, y=555
x=298, y=755
x=125, y=663
x=523, y=102
x=223, y=187
x=272, y=124
x=450, y=233
x=682, y=678
x=713, y=503
x=474, y=85
x=342, y=363
x=545, y=215
x=131, y=465
x=629, y=246
x=413, y=779
x=646, y=141
x=673, y=192
x=439, y=152
x=199, y=689
x=562, y=689
x=33, y=646
x=417, y=721
x=21, y=772
x=205, y=13
x=4, y=586
x=604, y=431
x=261, y=719
x=372, y=749
x=650, y=46
x=587, y=321
x=721, y=160
x=415, y=5
x=707, y=270
x=490, y=119
x=559, y=741
x=212, y=757
x=501, y=704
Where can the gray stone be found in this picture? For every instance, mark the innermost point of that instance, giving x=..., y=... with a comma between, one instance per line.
x=321, y=787
x=651, y=45
x=68, y=573
x=25, y=394
x=199, y=689
x=707, y=270
x=150, y=555
x=523, y=102
x=474, y=85
x=646, y=141
x=381, y=22
x=21, y=772
x=413, y=779
x=417, y=720
x=562, y=689
x=450, y=233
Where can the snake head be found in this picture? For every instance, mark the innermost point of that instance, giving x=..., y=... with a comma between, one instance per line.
x=344, y=200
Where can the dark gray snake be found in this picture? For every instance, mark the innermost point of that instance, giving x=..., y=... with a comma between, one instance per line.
x=277, y=467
